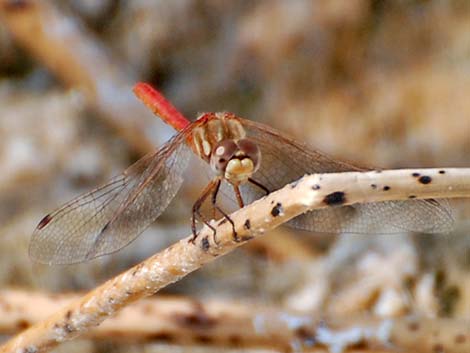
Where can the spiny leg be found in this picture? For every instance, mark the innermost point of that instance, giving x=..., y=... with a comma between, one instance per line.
x=261, y=186
x=226, y=216
x=197, y=208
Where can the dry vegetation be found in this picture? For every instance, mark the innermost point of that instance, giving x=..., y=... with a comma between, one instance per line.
x=381, y=83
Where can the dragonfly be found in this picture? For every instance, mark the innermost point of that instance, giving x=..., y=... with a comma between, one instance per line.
x=246, y=158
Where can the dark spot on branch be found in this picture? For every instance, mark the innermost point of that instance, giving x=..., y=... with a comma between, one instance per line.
x=373, y=186
x=247, y=224
x=378, y=171
x=137, y=269
x=316, y=187
x=335, y=198
x=412, y=196
x=425, y=179
x=386, y=188
x=442, y=172
x=68, y=315
x=277, y=210
x=44, y=222
x=415, y=175
x=205, y=244
x=293, y=184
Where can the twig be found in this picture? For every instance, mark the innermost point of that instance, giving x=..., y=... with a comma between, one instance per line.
x=81, y=62
x=182, y=258
x=224, y=323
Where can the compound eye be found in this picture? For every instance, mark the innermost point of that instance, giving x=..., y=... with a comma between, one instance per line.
x=250, y=150
x=222, y=154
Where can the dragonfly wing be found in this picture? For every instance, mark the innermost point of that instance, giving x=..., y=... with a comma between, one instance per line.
x=387, y=217
x=110, y=217
x=284, y=160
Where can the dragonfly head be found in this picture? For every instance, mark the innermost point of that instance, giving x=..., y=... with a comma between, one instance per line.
x=235, y=160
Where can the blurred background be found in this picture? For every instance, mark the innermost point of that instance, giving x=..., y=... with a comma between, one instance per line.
x=376, y=82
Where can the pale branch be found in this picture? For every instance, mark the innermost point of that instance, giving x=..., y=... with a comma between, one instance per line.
x=185, y=321
x=184, y=257
x=80, y=61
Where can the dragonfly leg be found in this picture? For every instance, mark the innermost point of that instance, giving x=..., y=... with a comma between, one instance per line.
x=240, y=202
x=197, y=209
x=261, y=186
x=226, y=216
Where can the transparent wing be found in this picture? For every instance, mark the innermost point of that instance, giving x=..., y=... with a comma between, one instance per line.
x=110, y=217
x=285, y=160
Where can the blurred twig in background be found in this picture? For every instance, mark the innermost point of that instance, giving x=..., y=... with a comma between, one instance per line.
x=186, y=321
x=63, y=45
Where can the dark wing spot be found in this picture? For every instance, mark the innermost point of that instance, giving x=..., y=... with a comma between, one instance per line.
x=425, y=179
x=415, y=175
x=44, y=222
x=386, y=188
x=247, y=224
x=68, y=315
x=335, y=198
x=413, y=326
x=412, y=196
x=438, y=348
x=373, y=186
x=316, y=187
x=277, y=210
x=442, y=172
x=205, y=244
